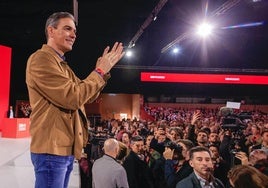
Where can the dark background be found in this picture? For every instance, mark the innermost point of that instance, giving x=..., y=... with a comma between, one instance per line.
x=241, y=50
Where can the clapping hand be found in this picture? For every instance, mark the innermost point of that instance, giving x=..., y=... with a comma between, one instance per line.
x=110, y=57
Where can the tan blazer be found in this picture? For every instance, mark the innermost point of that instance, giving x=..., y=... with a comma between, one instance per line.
x=57, y=97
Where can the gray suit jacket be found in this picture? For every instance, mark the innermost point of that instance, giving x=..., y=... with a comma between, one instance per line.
x=108, y=173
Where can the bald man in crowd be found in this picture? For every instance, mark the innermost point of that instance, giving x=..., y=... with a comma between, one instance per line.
x=106, y=171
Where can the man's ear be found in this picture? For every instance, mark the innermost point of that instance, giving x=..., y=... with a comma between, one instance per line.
x=191, y=163
x=117, y=151
x=50, y=31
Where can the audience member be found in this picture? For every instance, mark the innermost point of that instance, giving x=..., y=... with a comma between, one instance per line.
x=220, y=166
x=255, y=136
x=138, y=172
x=115, y=128
x=264, y=143
x=123, y=152
x=200, y=160
x=126, y=138
x=213, y=139
x=202, y=138
x=255, y=155
x=258, y=158
x=106, y=171
x=241, y=176
x=159, y=140
x=177, y=167
x=150, y=155
x=230, y=145
x=174, y=134
x=262, y=166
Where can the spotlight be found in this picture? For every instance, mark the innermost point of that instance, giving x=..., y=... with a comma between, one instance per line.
x=129, y=53
x=176, y=50
x=204, y=30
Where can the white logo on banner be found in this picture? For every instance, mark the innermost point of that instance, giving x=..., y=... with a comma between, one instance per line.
x=22, y=127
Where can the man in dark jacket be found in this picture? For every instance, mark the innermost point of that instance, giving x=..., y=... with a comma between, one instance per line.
x=177, y=165
x=200, y=160
x=138, y=172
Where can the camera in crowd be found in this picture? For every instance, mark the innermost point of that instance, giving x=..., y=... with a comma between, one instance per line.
x=236, y=124
x=234, y=151
x=231, y=121
x=177, y=155
x=99, y=137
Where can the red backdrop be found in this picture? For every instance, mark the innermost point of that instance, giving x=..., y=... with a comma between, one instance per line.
x=5, y=63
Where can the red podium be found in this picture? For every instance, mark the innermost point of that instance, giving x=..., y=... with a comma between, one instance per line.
x=16, y=127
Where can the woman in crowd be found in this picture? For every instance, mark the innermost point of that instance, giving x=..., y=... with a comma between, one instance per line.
x=241, y=176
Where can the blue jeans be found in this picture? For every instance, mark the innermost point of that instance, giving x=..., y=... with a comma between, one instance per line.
x=52, y=171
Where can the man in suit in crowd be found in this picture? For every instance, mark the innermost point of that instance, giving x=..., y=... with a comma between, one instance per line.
x=200, y=160
x=106, y=171
x=138, y=172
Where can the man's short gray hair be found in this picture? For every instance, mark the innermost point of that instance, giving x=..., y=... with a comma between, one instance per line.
x=53, y=19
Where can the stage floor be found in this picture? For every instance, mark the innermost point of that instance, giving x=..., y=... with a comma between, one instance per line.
x=16, y=170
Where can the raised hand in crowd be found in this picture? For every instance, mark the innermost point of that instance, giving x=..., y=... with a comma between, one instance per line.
x=168, y=153
x=243, y=157
x=196, y=116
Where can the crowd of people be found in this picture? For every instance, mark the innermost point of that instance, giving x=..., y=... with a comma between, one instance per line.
x=185, y=148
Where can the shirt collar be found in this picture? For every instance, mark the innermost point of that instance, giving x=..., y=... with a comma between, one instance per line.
x=204, y=183
x=48, y=48
x=61, y=56
x=109, y=156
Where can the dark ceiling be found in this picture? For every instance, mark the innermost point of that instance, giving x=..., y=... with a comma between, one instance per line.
x=102, y=22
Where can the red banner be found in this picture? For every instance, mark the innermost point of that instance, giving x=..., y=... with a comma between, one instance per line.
x=204, y=78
